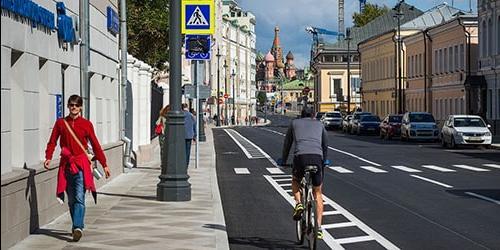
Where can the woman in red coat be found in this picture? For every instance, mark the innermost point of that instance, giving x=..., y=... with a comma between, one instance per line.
x=75, y=172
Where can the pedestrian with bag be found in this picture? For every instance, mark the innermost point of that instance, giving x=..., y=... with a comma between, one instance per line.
x=75, y=174
x=160, y=127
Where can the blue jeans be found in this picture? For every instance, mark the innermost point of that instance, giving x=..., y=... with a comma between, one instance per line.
x=188, y=151
x=76, y=198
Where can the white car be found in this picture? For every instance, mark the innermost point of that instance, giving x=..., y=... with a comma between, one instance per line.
x=465, y=130
x=419, y=126
x=332, y=120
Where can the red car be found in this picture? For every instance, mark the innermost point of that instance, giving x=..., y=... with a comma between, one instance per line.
x=390, y=126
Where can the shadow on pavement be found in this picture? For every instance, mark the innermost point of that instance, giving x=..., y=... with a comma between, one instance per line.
x=493, y=156
x=490, y=193
x=215, y=226
x=267, y=243
x=58, y=234
x=151, y=198
x=151, y=168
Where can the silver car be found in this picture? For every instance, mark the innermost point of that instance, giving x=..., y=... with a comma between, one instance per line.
x=465, y=130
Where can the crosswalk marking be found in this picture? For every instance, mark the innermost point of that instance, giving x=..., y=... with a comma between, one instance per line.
x=241, y=171
x=275, y=170
x=340, y=169
x=438, y=168
x=492, y=165
x=471, y=168
x=354, y=239
x=331, y=212
x=338, y=225
x=286, y=185
x=406, y=169
x=373, y=169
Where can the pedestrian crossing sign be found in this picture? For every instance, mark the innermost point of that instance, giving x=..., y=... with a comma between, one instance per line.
x=198, y=17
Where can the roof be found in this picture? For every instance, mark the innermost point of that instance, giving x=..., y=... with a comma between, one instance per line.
x=289, y=55
x=298, y=84
x=379, y=25
x=434, y=16
x=269, y=57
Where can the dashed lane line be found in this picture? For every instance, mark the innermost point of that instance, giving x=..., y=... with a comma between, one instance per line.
x=492, y=165
x=406, y=169
x=241, y=171
x=483, y=197
x=471, y=168
x=275, y=171
x=431, y=181
x=373, y=169
x=341, y=170
x=438, y=168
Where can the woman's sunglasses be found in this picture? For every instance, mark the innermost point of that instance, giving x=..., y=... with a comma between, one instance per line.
x=74, y=105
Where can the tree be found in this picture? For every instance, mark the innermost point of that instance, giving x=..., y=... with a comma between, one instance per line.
x=261, y=97
x=148, y=24
x=370, y=12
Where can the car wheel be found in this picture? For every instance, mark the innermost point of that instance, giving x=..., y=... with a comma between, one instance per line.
x=381, y=134
x=443, y=142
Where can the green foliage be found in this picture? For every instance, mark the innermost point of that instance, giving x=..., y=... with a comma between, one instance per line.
x=148, y=24
x=261, y=97
x=370, y=12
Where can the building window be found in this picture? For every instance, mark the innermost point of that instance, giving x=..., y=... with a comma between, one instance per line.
x=450, y=60
x=434, y=62
x=440, y=66
x=483, y=39
x=456, y=58
x=462, y=56
x=445, y=60
x=490, y=38
x=355, y=83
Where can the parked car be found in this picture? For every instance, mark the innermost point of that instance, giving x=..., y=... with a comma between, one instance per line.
x=355, y=121
x=368, y=124
x=419, y=125
x=332, y=120
x=346, y=123
x=390, y=126
x=465, y=130
x=319, y=115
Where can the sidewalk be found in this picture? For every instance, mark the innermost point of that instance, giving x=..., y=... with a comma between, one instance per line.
x=127, y=215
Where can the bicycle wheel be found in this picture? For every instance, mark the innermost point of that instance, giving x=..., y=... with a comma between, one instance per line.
x=300, y=225
x=313, y=225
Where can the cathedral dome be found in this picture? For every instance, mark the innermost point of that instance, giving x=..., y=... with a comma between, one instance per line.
x=289, y=56
x=269, y=57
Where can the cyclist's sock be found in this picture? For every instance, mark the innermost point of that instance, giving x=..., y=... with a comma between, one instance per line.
x=297, y=211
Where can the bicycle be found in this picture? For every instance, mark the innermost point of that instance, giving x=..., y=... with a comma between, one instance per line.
x=308, y=226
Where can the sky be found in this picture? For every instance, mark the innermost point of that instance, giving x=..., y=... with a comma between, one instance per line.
x=293, y=16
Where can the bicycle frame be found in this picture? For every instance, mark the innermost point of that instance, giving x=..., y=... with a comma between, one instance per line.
x=308, y=224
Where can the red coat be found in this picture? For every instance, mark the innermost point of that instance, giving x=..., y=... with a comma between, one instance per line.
x=72, y=152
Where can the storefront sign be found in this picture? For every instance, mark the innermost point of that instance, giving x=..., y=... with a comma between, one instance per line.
x=65, y=30
x=112, y=20
x=30, y=10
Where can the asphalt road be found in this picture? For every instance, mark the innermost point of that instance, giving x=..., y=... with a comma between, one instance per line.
x=381, y=194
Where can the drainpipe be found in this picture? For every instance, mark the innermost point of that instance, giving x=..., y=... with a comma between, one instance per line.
x=123, y=85
x=467, y=36
x=426, y=36
x=395, y=75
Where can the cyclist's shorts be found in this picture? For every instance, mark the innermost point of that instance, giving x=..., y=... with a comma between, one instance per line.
x=301, y=161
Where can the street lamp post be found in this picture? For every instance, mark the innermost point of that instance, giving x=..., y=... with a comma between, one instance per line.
x=174, y=185
x=217, y=122
x=225, y=92
x=348, y=38
x=233, y=118
x=399, y=16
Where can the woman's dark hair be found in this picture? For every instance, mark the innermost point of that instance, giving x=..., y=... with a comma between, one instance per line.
x=307, y=112
x=75, y=99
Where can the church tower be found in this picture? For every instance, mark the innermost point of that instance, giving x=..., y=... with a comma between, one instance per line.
x=289, y=66
x=277, y=51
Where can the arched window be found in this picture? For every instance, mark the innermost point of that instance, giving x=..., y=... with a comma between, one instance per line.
x=490, y=37
x=483, y=41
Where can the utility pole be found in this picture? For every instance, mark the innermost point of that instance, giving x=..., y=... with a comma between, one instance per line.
x=217, y=123
x=399, y=16
x=348, y=38
x=174, y=185
x=85, y=56
x=233, y=117
x=225, y=92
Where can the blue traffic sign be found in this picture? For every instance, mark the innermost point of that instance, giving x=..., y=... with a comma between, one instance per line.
x=197, y=53
x=198, y=17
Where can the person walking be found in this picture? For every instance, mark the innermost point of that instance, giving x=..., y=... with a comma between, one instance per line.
x=160, y=127
x=75, y=170
x=190, y=131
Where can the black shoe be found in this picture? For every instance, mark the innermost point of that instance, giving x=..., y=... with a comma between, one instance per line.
x=77, y=234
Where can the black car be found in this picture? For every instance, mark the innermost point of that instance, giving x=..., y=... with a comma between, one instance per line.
x=368, y=124
x=319, y=115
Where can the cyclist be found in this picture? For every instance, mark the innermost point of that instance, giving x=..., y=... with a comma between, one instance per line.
x=311, y=146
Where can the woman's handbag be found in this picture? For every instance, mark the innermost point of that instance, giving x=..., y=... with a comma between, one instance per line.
x=159, y=128
x=95, y=171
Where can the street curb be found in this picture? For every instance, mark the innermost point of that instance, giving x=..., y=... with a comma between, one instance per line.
x=221, y=239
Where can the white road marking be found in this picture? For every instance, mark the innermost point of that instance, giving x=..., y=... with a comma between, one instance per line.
x=258, y=148
x=373, y=169
x=340, y=169
x=249, y=156
x=288, y=179
x=483, y=197
x=328, y=238
x=288, y=190
x=337, y=150
x=432, y=181
x=407, y=169
x=354, y=239
x=241, y=171
x=438, y=168
x=286, y=185
x=275, y=171
x=492, y=165
x=471, y=168
x=338, y=225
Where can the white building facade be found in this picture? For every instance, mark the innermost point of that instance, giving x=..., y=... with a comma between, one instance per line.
x=235, y=42
x=40, y=69
x=489, y=58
